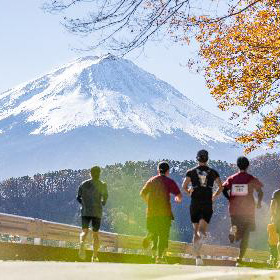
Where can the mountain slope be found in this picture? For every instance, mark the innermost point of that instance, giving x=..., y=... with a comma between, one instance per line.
x=109, y=92
x=103, y=105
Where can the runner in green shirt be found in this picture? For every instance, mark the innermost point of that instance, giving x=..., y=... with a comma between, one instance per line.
x=92, y=195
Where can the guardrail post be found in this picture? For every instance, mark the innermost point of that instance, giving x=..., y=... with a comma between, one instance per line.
x=61, y=243
x=37, y=241
x=116, y=249
x=23, y=240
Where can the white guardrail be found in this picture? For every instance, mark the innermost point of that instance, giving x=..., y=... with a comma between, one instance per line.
x=25, y=227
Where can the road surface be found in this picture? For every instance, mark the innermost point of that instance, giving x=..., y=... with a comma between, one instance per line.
x=20, y=270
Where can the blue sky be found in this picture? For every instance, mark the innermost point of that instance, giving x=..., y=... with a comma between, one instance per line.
x=33, y=43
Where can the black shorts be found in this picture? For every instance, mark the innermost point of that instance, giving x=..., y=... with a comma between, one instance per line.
x=243, y=224
x=95, y=223
x=201, y=211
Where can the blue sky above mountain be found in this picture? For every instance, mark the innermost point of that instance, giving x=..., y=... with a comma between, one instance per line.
x=33, y=42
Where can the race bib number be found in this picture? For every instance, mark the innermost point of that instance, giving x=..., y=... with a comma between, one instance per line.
x=239, y=189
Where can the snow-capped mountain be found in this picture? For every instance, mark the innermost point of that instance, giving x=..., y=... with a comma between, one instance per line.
x=103, y=110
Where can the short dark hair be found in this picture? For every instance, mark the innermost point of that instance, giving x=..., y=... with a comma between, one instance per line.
x=202, y=156
x=95, y=172
x=242, y=163
x=163, y=167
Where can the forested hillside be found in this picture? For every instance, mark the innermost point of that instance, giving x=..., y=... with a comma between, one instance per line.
x=52, y=196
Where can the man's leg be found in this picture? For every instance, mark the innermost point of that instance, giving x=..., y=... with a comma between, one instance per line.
x=150, y=234
x=83, y=235
x=244, y=226
x=195, y=213
x=202, y=227
x=273, y=255
x=197, y=243
x=205, y=215
x=234, y=231
x=244, y=243
x=155, y=243
x=96, y=222
x=204, y=218
x=82, y=251
x=151, y=237
x=196, y=238
x=164, y=231
x=96, y=245
x=200, y=230
x=164, y=224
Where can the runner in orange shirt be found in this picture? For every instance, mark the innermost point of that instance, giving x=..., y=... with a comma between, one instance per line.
x=272, y=243
x=157, y=194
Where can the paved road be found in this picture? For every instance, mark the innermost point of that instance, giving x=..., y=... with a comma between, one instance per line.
x=19, y=270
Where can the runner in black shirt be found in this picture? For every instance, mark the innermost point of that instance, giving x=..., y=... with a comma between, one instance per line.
x=202, y=179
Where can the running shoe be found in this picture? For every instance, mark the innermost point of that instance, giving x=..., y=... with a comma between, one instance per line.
x=82, y=251
x=198, y=244
x=198, y=261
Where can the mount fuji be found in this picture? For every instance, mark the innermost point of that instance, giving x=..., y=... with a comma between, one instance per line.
x=103, y=110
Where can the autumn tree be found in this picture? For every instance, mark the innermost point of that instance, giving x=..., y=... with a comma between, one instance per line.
x=242, y=68
x=239, y=47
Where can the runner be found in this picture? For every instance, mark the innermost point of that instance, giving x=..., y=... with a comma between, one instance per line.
x=156, y=193
x=202, y=179
x=92, y=195
x=275, y=216
x=272, y=242
x=238, y=189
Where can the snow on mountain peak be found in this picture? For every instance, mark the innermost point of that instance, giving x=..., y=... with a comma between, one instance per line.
x=110, y=92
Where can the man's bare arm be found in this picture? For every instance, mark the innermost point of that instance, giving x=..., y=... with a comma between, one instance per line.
x=144, y=196
x=260, y=197
x=185, y=185
x=178, y=198
x=220, y=188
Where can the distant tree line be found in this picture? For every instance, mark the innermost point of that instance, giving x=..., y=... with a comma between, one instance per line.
x=52, y=196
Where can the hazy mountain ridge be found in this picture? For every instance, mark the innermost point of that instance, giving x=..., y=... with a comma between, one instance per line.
x=103, y=110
